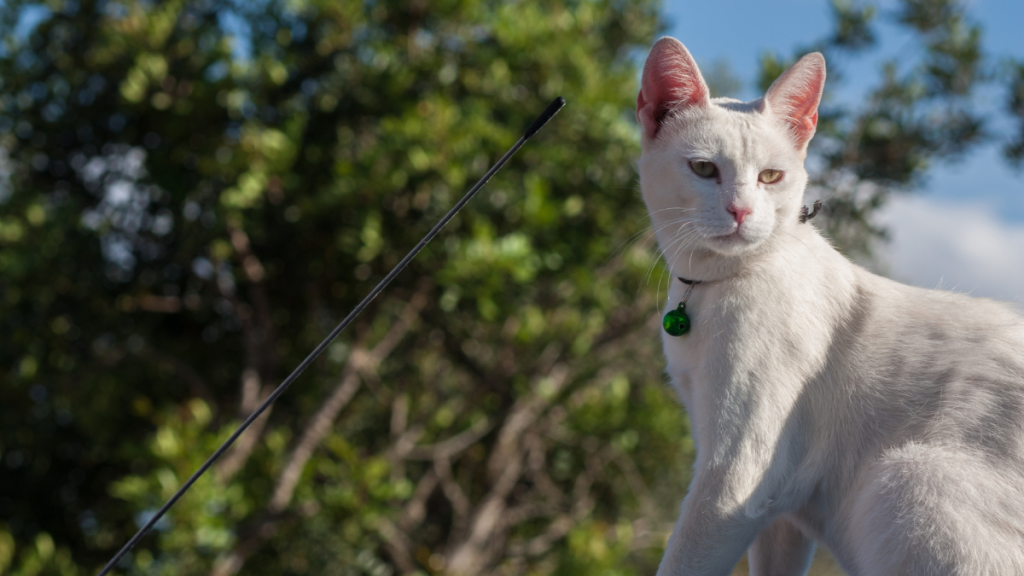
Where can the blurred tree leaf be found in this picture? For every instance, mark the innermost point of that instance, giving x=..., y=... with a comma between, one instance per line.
x=182, y=224
x=1014, y=149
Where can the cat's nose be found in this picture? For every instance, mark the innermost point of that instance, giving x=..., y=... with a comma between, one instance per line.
x=739, y=212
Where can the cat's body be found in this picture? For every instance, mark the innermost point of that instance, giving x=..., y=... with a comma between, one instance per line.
x=827, y=404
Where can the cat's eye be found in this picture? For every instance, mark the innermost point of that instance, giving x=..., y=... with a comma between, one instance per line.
x=769, y=176
x=703, y=168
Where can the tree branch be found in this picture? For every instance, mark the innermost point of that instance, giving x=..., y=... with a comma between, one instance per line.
x=488, y=527
x=238, y=454
x=583, y=503
x=398, y=546
x=461, y=505
x=260, y=358
x=449, y=447
x=360, y=361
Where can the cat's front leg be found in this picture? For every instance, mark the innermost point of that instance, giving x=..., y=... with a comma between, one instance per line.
x=781, y=549
x=712, y=532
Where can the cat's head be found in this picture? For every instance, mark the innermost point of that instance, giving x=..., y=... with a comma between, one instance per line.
x=722, y=179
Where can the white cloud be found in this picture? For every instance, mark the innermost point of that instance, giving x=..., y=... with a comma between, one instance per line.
x=954, y=246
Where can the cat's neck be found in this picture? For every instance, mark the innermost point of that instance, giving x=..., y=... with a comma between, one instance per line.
x=707, y=266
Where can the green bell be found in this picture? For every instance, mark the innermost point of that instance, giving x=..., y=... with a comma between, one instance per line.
x=676, y=322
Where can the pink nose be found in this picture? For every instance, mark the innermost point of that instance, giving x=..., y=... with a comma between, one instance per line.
x=739, y=213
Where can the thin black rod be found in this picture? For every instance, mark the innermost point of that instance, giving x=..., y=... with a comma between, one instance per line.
x=539, y=123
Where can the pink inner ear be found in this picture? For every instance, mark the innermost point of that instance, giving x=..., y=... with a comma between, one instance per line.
x=796, y=94
x=670, y=81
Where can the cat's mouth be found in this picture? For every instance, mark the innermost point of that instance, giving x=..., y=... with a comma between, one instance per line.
x=730, y=242
x=731, y=238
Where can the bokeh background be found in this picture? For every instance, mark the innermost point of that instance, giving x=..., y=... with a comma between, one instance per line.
x=193, y=193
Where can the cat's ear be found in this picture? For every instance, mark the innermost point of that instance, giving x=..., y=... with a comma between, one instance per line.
x=670, y=81
x=795, y=97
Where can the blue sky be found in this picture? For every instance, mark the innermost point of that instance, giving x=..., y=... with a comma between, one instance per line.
x=964, y=229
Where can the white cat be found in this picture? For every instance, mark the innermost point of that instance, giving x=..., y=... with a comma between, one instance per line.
x=827, y=404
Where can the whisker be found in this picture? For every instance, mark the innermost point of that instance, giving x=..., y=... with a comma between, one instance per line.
x=683, y=240
x=681, y=237
x=625, y=244
x=654, y=259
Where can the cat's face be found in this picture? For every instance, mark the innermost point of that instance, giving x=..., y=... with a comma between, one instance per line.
x=722, y=177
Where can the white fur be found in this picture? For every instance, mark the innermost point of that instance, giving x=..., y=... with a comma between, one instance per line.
x=827, y=404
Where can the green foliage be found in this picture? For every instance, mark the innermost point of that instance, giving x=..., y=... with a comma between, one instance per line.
x=852, y=24
x=36, y=558
x=721, y=79
x=176, y=217
x=1014, y=149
